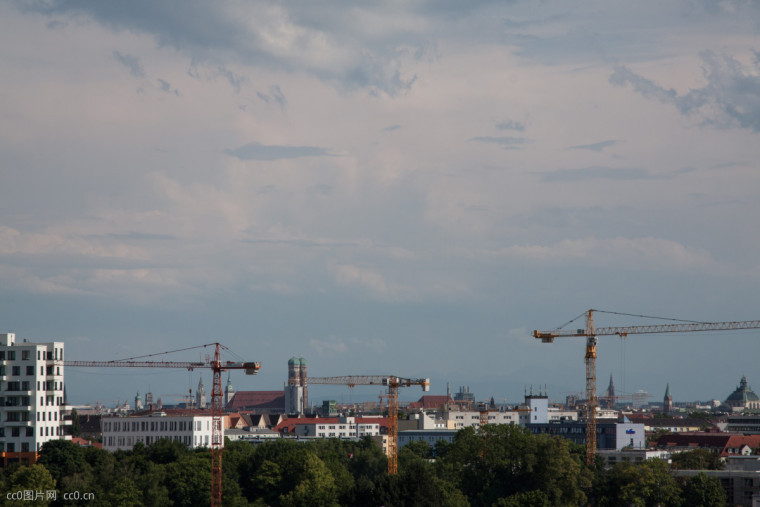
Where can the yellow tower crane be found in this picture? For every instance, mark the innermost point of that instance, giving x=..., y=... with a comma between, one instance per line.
x=591, y=333
x=392, y=383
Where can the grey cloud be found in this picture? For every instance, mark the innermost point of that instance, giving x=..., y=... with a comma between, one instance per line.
x=217, y=33
x=731, y=97
x=131, y=62
x=167, y=87
x=56, y=25
x=511, y=125
x=598, y=173
x=275, y=95
x=235, y=80
x=595, y=146
x=256, y=151
x=505, y=142
x=391, y=128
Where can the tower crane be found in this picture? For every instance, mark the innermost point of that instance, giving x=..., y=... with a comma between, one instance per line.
x=591, y=333
x=217, y=366
x=392, y=383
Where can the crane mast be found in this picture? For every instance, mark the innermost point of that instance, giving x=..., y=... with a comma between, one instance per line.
x=591, y=333
x=392, y=383
x=217, y=366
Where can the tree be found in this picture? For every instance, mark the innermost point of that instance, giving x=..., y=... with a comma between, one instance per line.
x=704, y=491
x=35, y=479
x=499, y=461
x=62, y=458
x=696, y=459
x=124, y=493
x=640, y=484
x=76, y=427
x=315, y=488
x=188, y=480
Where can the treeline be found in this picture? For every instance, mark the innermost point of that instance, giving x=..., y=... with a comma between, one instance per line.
x=502, y=465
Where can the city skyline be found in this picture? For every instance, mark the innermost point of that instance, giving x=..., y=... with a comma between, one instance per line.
x=405, y=189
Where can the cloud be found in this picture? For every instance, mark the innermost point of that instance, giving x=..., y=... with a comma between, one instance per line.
x=731, y=97
x=599, y=173
x=509, y=143
x=391, y=128
x=598, y=147
x=330, y=346
x=648, y=252
x=256, y=151
x=167, y=87
x=511, y=125
x=131, y=62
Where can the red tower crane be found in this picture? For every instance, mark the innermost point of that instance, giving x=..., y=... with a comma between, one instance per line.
x=217, y=366
x=590, y=333
x=392, y=383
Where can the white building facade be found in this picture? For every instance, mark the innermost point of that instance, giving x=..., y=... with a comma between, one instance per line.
x=343, y=427
x=31, y=397
x=123, y=432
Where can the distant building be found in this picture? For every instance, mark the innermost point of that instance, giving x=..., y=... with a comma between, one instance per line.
x=723, y=444
x=229, y=390
x=31, y=397
x=257, y=401
x=296, y=388
x=743, y=398
x=464, y=395
x=138, y=401
x=190, y=427
x=667, y=402
x=431, y=436
x=609, y=434
x=200, y=394
x=340, y=427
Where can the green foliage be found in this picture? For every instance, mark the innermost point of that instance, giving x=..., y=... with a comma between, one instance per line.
x=62, y=458
x=696, y=459
x=188, y=480
x=641, y=484
x=34, y=478
x=503, y=460
x=316, y=486
x=76, y=427
x=125, y=493
x=704, y=491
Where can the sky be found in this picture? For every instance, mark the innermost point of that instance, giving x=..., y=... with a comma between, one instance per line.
x=405, y=188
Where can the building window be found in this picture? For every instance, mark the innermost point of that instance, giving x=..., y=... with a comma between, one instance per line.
x=25, y=355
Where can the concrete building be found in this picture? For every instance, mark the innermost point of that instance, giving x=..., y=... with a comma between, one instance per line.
x=32, y=401
x=340, y=427
x=431, y=436
x=609, y=434
x=191, y=427
x=740, y=479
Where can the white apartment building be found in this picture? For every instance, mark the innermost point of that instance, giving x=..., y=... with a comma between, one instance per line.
x=337, y=427
x=456, y=420
x=31, y=397
x=191, y=427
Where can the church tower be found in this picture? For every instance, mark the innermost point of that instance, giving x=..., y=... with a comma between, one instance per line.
x=200, y=395
x=667, y=402
x=611, y=394
x=229, y=391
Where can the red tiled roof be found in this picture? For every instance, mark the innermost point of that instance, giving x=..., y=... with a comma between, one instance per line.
x=431, y=401
x=719, y=442
x=257, y=399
